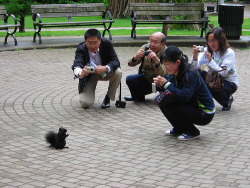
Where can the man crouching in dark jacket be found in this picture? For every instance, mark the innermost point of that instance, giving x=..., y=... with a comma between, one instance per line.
x=95, y=59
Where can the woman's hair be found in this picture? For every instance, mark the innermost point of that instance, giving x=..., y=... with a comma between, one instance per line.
x=221, y=37
x=172, y=54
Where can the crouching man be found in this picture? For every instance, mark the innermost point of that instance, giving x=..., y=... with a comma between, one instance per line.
x=95, y=59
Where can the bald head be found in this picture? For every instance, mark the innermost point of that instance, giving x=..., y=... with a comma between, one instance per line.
x=160, y=36
x=156, y=41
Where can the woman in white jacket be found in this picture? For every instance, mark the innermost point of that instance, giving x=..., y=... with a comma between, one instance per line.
x=218, y=53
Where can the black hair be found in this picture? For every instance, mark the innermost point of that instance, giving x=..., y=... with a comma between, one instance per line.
x=172, y=54
x=221, y=37
x=92, y=33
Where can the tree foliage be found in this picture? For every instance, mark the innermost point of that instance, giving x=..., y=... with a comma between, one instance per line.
x=19, y=8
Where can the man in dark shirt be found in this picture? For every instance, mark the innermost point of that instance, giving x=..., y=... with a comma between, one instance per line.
x=99, y=51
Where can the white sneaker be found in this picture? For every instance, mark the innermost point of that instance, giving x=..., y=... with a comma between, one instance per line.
x=171, y=132
x=187, y=137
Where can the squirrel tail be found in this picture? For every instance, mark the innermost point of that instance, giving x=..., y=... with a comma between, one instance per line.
x=50, y=137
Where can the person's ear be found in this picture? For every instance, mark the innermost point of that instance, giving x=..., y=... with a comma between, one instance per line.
x=178, y=62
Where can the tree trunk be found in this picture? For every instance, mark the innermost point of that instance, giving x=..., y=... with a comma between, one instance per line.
x=120, y=9
x=21, y=28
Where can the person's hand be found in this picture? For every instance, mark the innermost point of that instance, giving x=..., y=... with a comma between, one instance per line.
x=153, y=56
x=139, y=54
x=100, y=69
x=159, y=81
x=83, y=73
x=208, y=55
x=195, y=52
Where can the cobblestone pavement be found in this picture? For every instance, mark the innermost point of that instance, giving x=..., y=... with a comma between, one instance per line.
x=110, y=147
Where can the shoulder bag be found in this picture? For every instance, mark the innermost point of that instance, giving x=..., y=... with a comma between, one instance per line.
x=214, y=80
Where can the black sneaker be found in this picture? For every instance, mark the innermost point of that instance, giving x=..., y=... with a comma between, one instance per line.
x=229, y=104
x=106, y=102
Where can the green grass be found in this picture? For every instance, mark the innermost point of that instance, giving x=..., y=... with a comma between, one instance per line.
x=117, y=24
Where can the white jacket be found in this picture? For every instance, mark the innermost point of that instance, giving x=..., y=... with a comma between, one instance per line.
x=228, y=60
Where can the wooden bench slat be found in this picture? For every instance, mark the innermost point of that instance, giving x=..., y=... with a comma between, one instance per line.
x=7, y=26
x=166, y=4
x=67, y=5
x=75, y=23
x=67, y=9
x=169, y=21
x=167, y=9
x=169, y=13
x=77, y=14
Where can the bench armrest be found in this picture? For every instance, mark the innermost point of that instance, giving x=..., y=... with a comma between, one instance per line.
x=109, y=14
x=35, y=24
x=204, y=15
x=104, y=24
x=133, y=16
x=34, y=16
x=7, y=17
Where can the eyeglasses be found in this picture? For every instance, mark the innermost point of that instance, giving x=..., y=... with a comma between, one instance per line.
x=95, y=43
x=154, y=42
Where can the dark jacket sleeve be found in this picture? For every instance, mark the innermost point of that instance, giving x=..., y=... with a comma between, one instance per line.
x=184, y=94
x=81, y=56
x=108, y=55
x=81, y=59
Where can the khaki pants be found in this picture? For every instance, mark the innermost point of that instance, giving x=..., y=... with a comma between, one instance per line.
x=87, y=96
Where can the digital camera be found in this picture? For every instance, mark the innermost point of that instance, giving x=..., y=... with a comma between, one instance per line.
x=146, y=52
x=200, y=48
x=90, y=69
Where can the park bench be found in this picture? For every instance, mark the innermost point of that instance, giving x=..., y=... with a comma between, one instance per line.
x=168, y=12
x=4, y=16
x=69, y=11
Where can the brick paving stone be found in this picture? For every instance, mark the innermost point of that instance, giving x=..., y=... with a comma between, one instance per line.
x=110, y=147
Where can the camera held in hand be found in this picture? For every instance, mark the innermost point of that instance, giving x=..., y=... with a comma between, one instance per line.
x=200, y=48
x=90, y=69
x=146, y=52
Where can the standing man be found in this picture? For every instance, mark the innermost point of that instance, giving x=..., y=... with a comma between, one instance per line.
x=99, y=51
x=150, y=66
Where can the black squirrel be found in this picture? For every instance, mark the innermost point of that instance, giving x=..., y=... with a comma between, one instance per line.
x=57, y=140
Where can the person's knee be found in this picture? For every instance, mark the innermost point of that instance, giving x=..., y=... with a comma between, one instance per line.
x=118, y=74
x=129, y=79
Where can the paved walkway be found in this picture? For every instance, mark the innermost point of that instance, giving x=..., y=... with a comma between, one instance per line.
x=121, y=148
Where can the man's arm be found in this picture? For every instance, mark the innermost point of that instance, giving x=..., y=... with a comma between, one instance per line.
x=80, y=61
x=137, y=59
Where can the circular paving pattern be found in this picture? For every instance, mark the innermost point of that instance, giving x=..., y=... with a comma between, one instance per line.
x=112, y=147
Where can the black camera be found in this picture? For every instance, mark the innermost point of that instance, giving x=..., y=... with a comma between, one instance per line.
x=146, y=52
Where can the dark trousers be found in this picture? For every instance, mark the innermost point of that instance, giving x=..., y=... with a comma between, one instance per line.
x=183, y=116
x=222, y=96
x=139, y=86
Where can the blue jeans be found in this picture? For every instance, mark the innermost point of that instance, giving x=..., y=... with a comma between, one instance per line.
x=139, y=86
